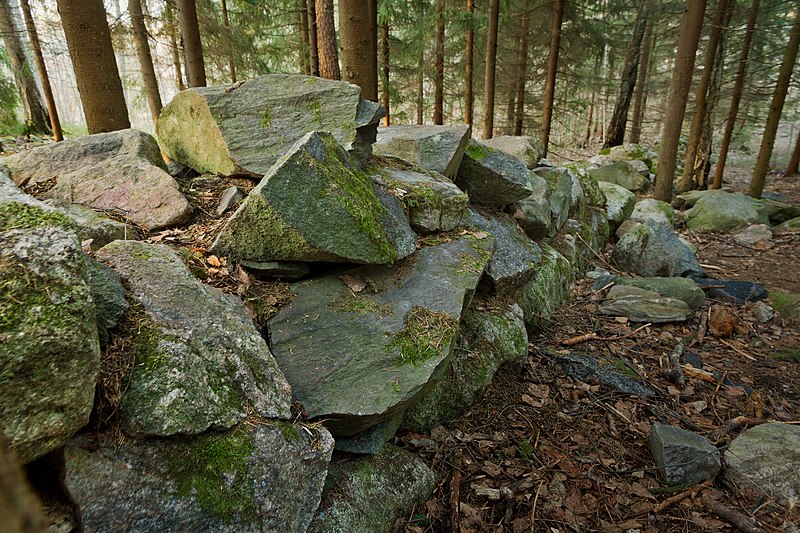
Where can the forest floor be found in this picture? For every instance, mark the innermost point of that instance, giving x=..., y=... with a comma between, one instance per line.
x=543, y=452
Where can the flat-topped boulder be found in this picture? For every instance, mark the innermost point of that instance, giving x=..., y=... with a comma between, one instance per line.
x=721, y=211
x=527, y=149
x=246, y=127
x=200, y=363
x=436, y=148
x=656, y=210
x=641, y=305
x=121, y=172
x=684, y=289
x=492, y=178
x=315, y=205
x=623, y=174
x=359, y=348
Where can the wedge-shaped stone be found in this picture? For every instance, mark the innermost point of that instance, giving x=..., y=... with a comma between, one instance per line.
x=532, y=213
x=654, y=250
x=437, y=148
x=619, y=202
x=491, y=177
x=527, y=149
x=245, y=128
x=621, y=173
x=199, y=361
x=357, y=358
x=560, y=185
x=314, y=205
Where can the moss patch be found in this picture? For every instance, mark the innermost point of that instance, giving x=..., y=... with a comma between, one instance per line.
x=425, y=335
x=477, y=151
x=16, y=215
x=787, y=303
x=787, y=354
x=361, y=305
x=266, y=119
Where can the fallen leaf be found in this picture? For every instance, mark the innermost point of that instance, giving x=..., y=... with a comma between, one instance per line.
x=355, y=284
x=214, y=261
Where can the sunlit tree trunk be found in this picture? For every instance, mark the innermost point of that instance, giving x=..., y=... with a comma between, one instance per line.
x=145, y=59
x=326, y=41
x=173, y=44
x=491, y=66
x=794, y=162
x=438, y=78
x=639, y=91
x=192, y=46
x=385, y=69
x=313, y=49
x=552, y=68
x=359, y=66
x=523, y=69
x=468, y=96
x=33, y=37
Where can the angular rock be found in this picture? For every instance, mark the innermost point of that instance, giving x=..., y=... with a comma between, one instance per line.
x=527, y=149
x=778, y=211
x=654, y=250
x=488, y=339
x=793, y=223
x=516, y=257
x=436, y=148
x=560, y=184
x=641, y=305
x=260, y=477
x=121, y=172
x=356, y=359
x=619, y=202
x=108, y=296
x=369, y=494
x=622, y=174
x=50, y=353
x=586, y=368
x=277, y=269
x=656, y=210
x=733, y=291
x=683, y=457
x=532, y=213
x=632, y=151
x=92, y=225
x=200, y=362
x=229, y=198
x=314, y=205
x=491, y=177
x=721, y=211
x=600, y=160
x=684, y=289
x=758, y=235
x=432, y=201
x=594, y=195
x=246, y=127
x=373, y=440
x=640, y=167
x=540, y=296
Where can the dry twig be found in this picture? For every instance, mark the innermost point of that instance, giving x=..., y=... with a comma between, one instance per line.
x=680, y=496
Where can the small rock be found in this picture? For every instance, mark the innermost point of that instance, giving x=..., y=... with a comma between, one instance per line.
x=654, y=250
x=656, y=210
x=532, y=213
x=228, y=199
x=587, y=369
x=737, y=292
x=763, y=312
x=436, y=148
x=291, y=270
x=681, y=288
x=621, y=173
x=757, y=235
x=643, y=306
x=619, y=202
x=723, y=322
x=683, y=457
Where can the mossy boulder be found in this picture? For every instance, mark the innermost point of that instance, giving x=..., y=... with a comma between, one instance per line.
x=315, y=205
x=246, y=127
x=683, y=289
x=492, y=178
x=539, y=297
x=108, y=295
x=356, y=358
x=94, y=229
x=487, y=340
x=652, y=209
x=654, y=250
x=721, y=211
x=527, y=149
x=532, y=213
x=200, y=363
x=779, y=212
x=594, y=195
x=787, y=303
x=621, y=173
x=256, y=477
x=436, y=148
x=792, y=223
x=619, y=202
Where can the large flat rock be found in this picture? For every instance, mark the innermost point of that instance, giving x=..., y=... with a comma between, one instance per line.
x=246, y=127
x=720, y=211
x=492, y=178
x=527, y=149
x=356, y=358
x=641, y=305
x=436, y=148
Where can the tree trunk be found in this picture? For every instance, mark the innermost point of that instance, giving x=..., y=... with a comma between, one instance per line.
x=373, y=53
x=305, y=66
x=312, y=38
x=35, y=115
x=589, y=122
x=694, y=163
x=691, y=25
x=468, y=97
x=192, y=47
x=523, y=68
x=438, y=78
x=385, y=69
x=420, y=6
x=511, y=109
x=736, y=97
x=792, y=169
x=639, y=92
x=173, y=44
x=619, y=118
x=33, y=37
x=326, y=41
x=775, y=109
x=491, y=65
x=552, y=67
x=229, y=41
x=89, y=43
x=358, y=65
x=145, y=59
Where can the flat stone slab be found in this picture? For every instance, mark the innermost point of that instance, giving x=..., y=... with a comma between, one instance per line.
x=356, y=358
x=641, y=305
x=619, y=202
x=277, y=269
x=757, y=235
x=721, y=211
x=654, y=250
x=492, y=178
x=685, y=289
x=246, y=127
x=200, y=362
x=683, y=457
x=436, y=148
x=587, y=369
x=315, y=205
x=733, y=291
x=621, y=173
x=260, y=477
x=527, y=149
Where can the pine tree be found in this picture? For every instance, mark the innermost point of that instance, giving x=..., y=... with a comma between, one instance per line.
x=326, y=41
x=552, y=68
x=359, y=65
x=140, y=35
x=192, y=46
x=491, y=67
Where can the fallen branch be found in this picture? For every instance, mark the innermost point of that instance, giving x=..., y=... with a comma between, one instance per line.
x=572, y=341
x=737, y=520
x=674, y=372
x=702, y=328
x=696, y=373
x=737, y=350
x=680, y=496
x=593, y=336
x=736, y=424
x=455, y=525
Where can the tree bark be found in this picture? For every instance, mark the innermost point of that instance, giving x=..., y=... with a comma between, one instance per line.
x=792, y=169
x=145, y=59
x=694, y=162
x=192, y=46
x=229, y=41
x=589, y=121
x=619, y=118
x=36, y=117
x=775, y=109
x=358, y=64
x=326, y=41
x=468, y=97
x=173, y=44
x=639, y=92
x=491, y=66
x=312, y=38
x=33, y=37
x=373, y=53
x=438, y=78
x=385, y=69
x=89, y=43
x=552, y=68
x=420, y=96
x=691, y=25
x=523, y=69
x=305, y=66
x=511, y=109
x=736, y=96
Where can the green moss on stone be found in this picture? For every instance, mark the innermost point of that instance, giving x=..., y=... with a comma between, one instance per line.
x=361, y=305
x=266, y=119
x=315, y=108
x=787, y=354
x=289, y=431
x=787, y=303
x=426, y=334
x=17, y=215
x=476, y=151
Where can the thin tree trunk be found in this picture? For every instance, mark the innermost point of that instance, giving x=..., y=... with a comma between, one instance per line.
x=775, y=109
x=36, y=117
x=229, y=41
x=438, y=78
x=385, y=69
x=639, y=92
x=420, y=96
x=792, y=169
x=691, y=25
x=313, y=49
x=468, y=97
x=358, y=64
x=552, y=68
x=591, y=116
x=491, y=65
x=692, y=177
x=89, y=43
x=33, y=37
x=326, y=41
x=305, y=65
x=192, y=47
x=523, y=69
x=619, y=118
x=145, y=59
x=736, y=97
x=173, y=44
x=511, y=108
x=373, y=53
